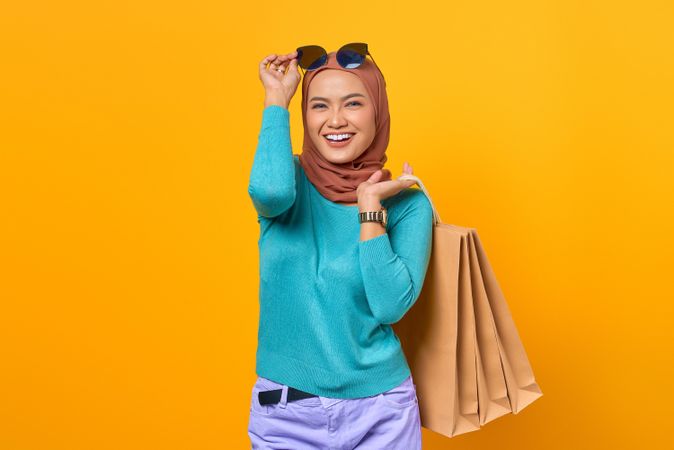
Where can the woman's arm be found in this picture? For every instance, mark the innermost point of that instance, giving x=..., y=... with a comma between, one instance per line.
x=394, y=264
x=271, y=184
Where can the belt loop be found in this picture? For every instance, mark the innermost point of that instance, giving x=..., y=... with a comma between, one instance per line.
x=284, y=396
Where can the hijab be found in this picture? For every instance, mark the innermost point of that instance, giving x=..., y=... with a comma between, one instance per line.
x=339, y=182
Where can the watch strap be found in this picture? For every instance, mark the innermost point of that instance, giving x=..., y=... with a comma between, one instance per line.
x=371, y=216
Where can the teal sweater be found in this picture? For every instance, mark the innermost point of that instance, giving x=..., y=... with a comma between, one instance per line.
x=328, y=299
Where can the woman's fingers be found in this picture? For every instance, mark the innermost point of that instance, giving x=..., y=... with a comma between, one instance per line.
x=283, y=59
x=374, y=177
x=282, y=62
x=288, y=56
x=276, y=61
x=265, y=61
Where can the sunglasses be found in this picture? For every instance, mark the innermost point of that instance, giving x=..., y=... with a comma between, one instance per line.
x=349, y=56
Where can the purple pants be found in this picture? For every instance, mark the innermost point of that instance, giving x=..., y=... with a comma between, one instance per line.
x=389, y=420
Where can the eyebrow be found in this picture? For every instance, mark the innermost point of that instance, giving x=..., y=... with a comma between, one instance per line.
x=343, y=98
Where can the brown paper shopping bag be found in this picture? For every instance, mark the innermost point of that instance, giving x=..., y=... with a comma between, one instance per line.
x=521, y=383
x=493, y=396
x=466, y=357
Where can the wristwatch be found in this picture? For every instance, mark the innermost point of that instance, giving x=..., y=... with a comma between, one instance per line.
x=374, y=216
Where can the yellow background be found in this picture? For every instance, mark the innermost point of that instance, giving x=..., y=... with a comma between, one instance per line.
x=128, y=278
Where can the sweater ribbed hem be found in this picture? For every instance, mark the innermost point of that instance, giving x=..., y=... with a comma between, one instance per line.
x=328, y=383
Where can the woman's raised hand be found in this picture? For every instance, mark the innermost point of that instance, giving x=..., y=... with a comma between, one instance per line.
x=280, y=78
x=380, y=186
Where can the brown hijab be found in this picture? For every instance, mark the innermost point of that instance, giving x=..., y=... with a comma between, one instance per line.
x=338, y=182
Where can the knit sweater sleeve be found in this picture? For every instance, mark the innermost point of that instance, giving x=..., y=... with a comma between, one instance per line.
x=394, y=264
x=271, y=184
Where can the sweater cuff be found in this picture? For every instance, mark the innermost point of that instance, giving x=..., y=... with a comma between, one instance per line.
x=275, y=116
x=377, y=248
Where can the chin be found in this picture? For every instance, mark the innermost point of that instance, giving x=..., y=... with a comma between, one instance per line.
x=339, y=156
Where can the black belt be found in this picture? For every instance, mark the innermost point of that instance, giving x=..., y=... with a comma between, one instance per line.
x=274, y=396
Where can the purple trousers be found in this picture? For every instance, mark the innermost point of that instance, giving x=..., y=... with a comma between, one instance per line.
x=389, y=420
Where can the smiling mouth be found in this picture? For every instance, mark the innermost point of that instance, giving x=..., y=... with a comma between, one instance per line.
x=332, y=141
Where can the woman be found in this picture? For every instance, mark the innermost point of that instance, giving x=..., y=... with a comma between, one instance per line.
x=331, y=371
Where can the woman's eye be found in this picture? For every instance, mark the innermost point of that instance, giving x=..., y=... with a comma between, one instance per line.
x=350, y=103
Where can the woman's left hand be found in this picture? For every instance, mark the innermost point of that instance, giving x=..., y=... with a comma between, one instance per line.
x=372, y=189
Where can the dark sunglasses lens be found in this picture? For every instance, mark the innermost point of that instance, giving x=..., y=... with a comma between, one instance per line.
x=311, y=57
x=351, y=56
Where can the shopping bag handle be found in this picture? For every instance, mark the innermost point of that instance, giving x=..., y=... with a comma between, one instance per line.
x=407, y=176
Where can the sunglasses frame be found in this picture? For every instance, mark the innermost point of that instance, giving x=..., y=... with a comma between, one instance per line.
x=357, y=47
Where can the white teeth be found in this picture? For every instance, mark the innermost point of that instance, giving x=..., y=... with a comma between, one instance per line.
x=338, y=137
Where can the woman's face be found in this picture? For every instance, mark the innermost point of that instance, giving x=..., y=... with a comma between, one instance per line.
x=329, y=112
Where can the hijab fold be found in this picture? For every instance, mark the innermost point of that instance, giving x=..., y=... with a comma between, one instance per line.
x=339, y=182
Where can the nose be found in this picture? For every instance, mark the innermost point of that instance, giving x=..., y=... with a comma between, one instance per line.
x=336, y=121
